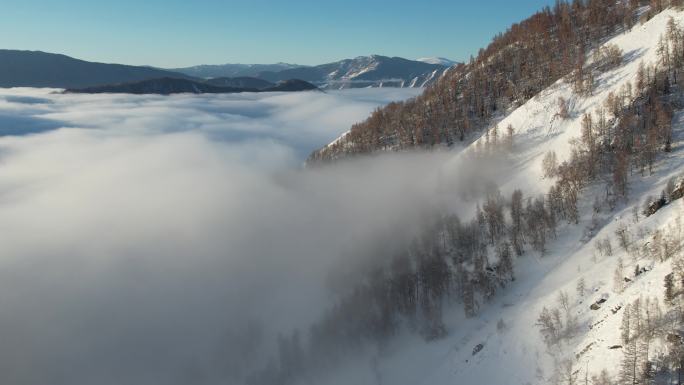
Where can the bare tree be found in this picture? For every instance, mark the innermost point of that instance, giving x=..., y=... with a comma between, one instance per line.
x=563, y=110
x=619, y=277
x=550, y=164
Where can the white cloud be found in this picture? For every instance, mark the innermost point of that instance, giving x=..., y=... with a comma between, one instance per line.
x=302, y=121
x=141, y=237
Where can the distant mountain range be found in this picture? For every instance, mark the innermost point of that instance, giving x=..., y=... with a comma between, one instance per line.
x=233, y=70
x=363, y=71
x=168, y=86
x=240, y=82
x=41, y=69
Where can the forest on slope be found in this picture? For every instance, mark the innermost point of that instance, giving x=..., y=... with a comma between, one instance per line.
x=515, y=66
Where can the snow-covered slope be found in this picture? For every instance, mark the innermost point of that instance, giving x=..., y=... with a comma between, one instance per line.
x=537, y=124
x=383, y=71
x=512, y=350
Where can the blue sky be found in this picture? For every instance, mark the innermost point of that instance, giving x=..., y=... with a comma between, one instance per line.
x=173, y=33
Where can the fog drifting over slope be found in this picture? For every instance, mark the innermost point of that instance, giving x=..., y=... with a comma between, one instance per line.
x=151, y=239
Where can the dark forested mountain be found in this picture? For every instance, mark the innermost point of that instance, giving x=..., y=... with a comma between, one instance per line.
x=233, y=70
x=162, y=86
x=291, y=85
x=41, y=69
x=240, y=82
x=516, y=65
x=168, y=86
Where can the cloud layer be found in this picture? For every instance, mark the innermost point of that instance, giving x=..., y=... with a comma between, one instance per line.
x=301, y=121
x=156, y=239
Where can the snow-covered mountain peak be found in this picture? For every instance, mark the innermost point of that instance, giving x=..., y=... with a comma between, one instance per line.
x=438, y=60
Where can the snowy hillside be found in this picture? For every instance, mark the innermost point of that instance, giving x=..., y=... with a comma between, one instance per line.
x=503, y=343
x=572, y=257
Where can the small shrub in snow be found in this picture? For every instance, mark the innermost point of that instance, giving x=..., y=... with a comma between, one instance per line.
x=608, y=57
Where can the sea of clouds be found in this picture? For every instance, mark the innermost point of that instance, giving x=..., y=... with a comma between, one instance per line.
x=169, y=239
